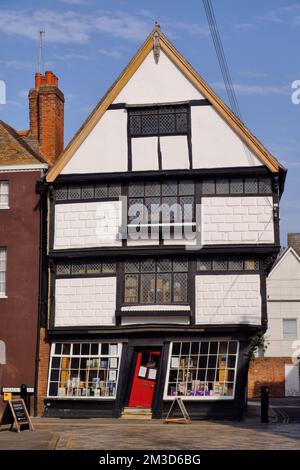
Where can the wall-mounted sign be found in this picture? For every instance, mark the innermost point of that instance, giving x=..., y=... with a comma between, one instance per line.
x=7, y=396
x=16, y=390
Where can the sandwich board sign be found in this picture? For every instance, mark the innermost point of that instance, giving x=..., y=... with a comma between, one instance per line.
x=16, y=414
x=185, y=416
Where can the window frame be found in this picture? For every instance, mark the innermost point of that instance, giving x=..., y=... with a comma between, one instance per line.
x=4, y=184
x=172, y=223
x=167, y=397
x=3, y=259
x=88, y=357
x=158, y=110
x=296, y=329
x=156, y=274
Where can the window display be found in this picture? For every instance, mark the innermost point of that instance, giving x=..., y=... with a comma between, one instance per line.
x=84, y=370
x=205, y=369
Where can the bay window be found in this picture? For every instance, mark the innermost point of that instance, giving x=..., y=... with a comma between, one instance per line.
x=151, y=281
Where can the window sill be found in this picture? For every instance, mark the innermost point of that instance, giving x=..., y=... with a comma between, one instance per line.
x=2, y=296
x=4, y=208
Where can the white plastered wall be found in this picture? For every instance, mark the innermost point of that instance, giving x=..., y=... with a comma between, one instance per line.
x=85, y=301
x=105, y=149
x=237, y=220
x=215, y=144
x=157, y=83
x=228, y=299
x=87, y=224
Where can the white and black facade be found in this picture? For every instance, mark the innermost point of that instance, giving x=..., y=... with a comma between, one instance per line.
x=132, y=300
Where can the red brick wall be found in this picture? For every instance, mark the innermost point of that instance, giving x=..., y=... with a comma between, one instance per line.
x=20, y=235
x=44, y=355
x=267, y=371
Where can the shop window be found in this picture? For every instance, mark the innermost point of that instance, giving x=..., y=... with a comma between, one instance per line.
x=152, y=281
x=202, y=370
x=84, y=370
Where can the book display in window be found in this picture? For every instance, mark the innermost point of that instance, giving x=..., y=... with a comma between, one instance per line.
x=202, y=369
x=84, y=370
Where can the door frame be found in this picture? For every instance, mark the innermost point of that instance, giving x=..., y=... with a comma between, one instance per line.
x=132, y=367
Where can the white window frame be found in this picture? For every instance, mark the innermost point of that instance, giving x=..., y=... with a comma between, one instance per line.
x=4, y=184
x=282, y=326
x=3, y=258
x=52, y=354
x=167, y=397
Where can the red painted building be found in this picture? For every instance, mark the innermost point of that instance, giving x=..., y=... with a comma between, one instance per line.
x=24, y=158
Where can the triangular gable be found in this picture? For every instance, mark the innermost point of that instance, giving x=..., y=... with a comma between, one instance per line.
x=195, y=79
x=284, y=258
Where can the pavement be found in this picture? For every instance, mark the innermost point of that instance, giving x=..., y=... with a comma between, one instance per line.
x=116, y=434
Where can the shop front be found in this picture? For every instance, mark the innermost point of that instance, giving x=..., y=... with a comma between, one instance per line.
x=101, y=378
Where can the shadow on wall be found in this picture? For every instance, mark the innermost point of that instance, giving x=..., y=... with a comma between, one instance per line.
x=270, y=372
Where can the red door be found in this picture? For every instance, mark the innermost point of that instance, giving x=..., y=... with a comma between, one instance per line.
x=145, y=374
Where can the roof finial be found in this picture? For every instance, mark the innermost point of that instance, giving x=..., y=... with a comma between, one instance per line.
x=156, y=44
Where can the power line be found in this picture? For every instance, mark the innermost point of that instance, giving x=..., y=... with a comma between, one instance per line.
x=221, y=57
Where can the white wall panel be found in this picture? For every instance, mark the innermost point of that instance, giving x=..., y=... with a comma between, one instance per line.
x=87, y=224
x=144, y=153
x=104, y=149
x=174, y=152
x=226, y=299
x=277, y=346
x=215, y=144
x=157, y=83
x=85, y=301
x=155, y=320
x=237, y=220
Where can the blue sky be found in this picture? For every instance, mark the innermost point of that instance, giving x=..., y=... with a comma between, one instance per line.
x=88, y=42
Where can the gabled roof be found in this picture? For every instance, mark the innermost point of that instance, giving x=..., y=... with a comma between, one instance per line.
x=237, y=126
x=14, y=150
x=281, y=257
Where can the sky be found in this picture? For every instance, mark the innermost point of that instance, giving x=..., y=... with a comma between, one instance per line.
x=88, y=42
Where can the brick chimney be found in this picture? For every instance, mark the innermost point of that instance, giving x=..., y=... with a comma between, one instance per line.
x=294, y=241
x=46, y=116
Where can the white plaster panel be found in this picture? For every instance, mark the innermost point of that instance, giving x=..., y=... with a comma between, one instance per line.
x=85, y=301
x=105, y=148
x=144, y=153
x=277, y=346
x=87, y=224
x=215, y=144
x=157, y=83
x=155, y=320
x=237, y=220
x=226, y=299
x=156, y=307
x=283, y=282
x=174, y=152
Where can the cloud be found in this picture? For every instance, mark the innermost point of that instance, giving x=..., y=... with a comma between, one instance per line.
x=18, y=64
x=70, y=27
x=242, y=89
x=287, y=14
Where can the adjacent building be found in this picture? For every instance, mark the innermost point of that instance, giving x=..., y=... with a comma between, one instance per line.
x=163, y=223
x=278, y=366
x=24, y=159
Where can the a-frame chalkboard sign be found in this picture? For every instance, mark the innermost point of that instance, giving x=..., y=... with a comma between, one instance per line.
x=16, y=414
x=185, y=416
